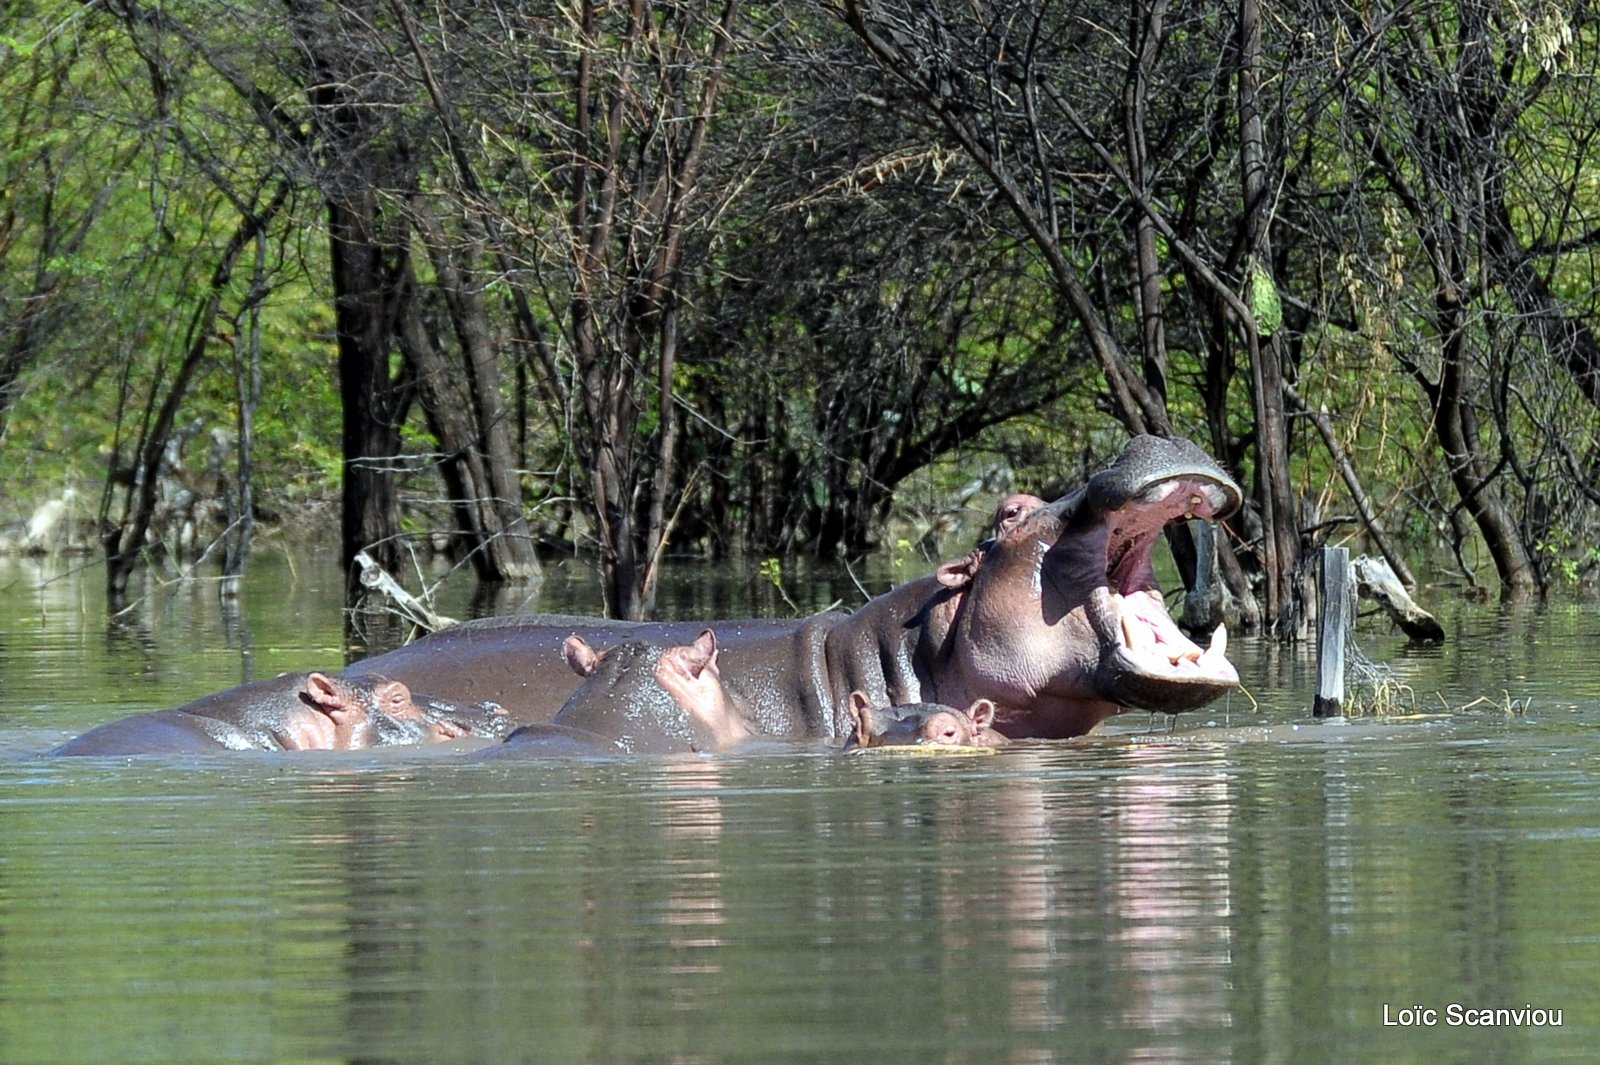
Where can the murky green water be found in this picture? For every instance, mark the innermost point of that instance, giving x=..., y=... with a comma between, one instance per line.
x=1251, y=887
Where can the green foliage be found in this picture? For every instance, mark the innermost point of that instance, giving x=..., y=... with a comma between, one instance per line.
x=857, y=312
x=1264, y=302
x=771, y=570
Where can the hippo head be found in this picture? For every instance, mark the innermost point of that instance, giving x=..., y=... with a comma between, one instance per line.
x=372, y=711
x=655, y=699
x=437, y=720
x=919, y=724
x=1060, y=620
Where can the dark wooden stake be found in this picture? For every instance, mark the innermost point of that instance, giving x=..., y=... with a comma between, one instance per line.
x=1334, y=622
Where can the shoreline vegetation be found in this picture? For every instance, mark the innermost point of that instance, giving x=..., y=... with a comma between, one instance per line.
x=720, y=279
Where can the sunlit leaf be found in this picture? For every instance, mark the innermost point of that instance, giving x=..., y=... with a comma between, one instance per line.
x=1264, y=302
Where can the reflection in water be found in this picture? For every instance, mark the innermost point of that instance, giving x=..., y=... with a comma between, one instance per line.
x=1116, y=898
x=1185, y=902
x=1171, y=878
x=691, y=816
x=1027, y=905
x=1336, y=832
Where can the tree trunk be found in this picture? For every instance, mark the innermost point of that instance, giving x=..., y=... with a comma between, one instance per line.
x=1279, y=520
x=370, y=260
x=365, y=296
x=124, y=540
x=466, y=409
x=1147, y=31
x=1456, y=426
x=636, y=147
x=247, y=385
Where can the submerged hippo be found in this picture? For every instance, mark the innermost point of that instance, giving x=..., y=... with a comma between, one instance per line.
x=638, y=698
x=925, y=724
x=294, y=712
x=1057, y=620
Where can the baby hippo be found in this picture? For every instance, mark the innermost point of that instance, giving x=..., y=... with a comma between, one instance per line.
x=294, y=712
x=638, y=699
x=931, y=724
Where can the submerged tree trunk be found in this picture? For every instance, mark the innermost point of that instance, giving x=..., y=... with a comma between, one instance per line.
x=1456, y=426
x=1279, y=517
x=367, y=166
x=247, y=385
x=366, y=292
x=463, y=401
x=462, y=397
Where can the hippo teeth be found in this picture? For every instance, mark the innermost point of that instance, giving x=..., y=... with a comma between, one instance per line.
x=1163, y=647
x=1148, y=640
x=1135, y=637
x=1156, y=493
x=1217, y=651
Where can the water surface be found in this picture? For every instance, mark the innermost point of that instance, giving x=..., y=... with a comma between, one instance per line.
x=1248, y=887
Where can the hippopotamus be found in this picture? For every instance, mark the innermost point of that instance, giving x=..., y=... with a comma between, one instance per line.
x=1057, y=619
x=638, y=698
x=295, y=712
x=927, y=724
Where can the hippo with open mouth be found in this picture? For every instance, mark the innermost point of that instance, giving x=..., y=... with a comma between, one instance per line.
x=1061, y=622
x=1057, y=620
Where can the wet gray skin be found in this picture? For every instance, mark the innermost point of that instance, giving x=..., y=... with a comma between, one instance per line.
x=637, y=698
x=295, y=711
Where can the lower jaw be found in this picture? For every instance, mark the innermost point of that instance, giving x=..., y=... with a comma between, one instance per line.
x=1159, y=697
x=1057, y=722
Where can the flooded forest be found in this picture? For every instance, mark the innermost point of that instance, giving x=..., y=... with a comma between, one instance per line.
x=721, y=309
x=639, y=281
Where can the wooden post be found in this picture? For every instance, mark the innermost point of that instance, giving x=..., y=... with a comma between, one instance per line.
x=1334, y=593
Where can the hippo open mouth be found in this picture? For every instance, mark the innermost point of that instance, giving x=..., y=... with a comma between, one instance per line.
x=1146, y=661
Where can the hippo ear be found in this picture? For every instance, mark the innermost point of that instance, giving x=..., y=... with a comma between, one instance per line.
x=861, y=715
x=702, y=654
x=331, y=696
x=960, y=574
x=583, y=659
x=982, y=713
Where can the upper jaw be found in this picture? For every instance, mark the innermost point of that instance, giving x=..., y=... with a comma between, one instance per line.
x=1146, y=661
x=1155, y=464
